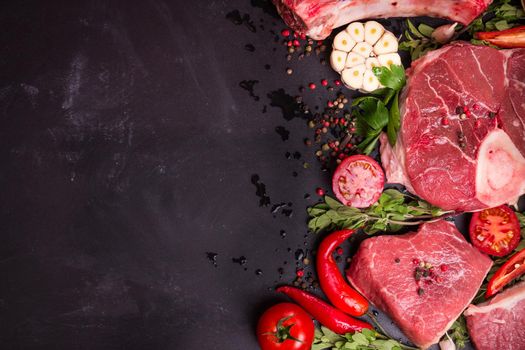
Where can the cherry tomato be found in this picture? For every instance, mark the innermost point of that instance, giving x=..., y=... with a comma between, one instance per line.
x=358, y=181
x=512, y=269
x=495, y=231
x=285, y=326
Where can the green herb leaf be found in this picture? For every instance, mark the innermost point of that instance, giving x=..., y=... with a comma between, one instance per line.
x=364, y=340
x=392, y=211
x=374, y=114
x=458, y=332
x=414, y=30
x=393, y=78
x=394, y=122
x=426, y=30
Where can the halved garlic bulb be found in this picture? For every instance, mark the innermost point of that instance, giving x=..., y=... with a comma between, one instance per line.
x=358, y=49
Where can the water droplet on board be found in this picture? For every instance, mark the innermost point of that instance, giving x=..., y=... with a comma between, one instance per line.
x=212, y=257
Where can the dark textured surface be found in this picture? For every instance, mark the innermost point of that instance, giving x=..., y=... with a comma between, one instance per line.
x=127, y=151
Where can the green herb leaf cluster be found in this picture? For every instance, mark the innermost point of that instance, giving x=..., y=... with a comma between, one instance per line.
x=393, y=211
x=418, y=40
x=381, y=110
x=500, y=15
x=364, y=340
x=458, y=332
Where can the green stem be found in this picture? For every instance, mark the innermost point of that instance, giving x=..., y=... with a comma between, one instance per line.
x=412, y=223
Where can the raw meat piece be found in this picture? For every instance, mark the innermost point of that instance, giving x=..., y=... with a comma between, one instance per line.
x=500, y=322
x=462, y=140
x=317, y=18
x=384, y=271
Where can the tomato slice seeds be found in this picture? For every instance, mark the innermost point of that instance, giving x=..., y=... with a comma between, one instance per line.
x=358, y=181
x=495, y=231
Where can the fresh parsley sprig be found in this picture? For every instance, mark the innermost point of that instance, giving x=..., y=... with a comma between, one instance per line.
x=393, y=211
x=365, y=340
x=381, y=110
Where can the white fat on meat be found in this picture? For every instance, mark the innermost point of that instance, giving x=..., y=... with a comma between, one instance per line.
x=506, y=300
x=500, y=172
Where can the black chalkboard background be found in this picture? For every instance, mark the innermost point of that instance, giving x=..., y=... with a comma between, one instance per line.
x=130, y=155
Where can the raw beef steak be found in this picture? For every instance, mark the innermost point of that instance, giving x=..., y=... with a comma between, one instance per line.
x=422, y=300
x=317, y=18
x=500, y=322
x=462, y=139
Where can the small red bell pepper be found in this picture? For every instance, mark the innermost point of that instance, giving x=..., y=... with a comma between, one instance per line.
x=512, y=269
x=327, y=315
x=332, y=282
x=509, y=38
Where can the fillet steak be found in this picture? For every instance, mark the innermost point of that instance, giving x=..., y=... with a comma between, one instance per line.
x=500, y=322
x=462, y=140
x=415, y=277
x=317, y=18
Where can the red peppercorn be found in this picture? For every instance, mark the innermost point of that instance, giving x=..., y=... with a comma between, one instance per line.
x=319, y=42
x=311, y=86
x=476, y=107
x=326, y=124
x=324, y=82
x=349, y=145
x=337, y=82
x=295, y=35
x=341, y=156
x=468, y=113
x=443, y=268
x=285, y=32
x=303, y=36
x=319, y=191
x=415, y=262
x=330, y=104
x=289, y=43
x=299, y=272
x=444, y=121
x=477, y=124
x=296, y=43
x=339, y=251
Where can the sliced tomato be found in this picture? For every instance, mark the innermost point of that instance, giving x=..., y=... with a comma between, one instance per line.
x=512, y=269
x=495, y=231
x=358, y=181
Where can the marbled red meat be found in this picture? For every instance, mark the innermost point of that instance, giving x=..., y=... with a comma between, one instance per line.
x=317, y=18
x=500, y=322
x=462, y=139
x=384, y=268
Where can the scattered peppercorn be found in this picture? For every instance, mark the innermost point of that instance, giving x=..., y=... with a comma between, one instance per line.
x=319, y=191
x=289, y=71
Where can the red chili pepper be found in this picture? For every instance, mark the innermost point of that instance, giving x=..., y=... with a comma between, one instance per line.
x=514, y=37
x=332, y=282
x=512, y=269
x=327, y=315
